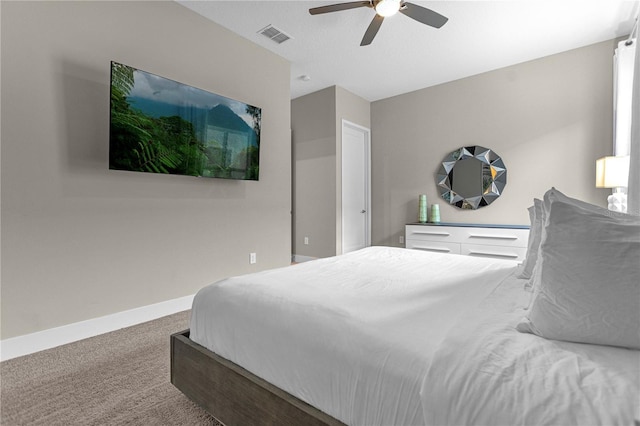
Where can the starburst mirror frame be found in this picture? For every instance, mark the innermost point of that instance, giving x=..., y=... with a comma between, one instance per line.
x=471, y=177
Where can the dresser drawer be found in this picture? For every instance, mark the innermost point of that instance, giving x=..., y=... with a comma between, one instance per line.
x=435, y=246
x=495, y=236
x=493, y=251
x=434, y=233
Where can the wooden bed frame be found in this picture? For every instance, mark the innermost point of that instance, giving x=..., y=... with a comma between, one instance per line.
x=232, y=394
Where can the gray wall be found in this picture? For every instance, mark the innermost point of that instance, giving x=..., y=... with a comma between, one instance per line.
x=314, y=168
x=80, y=241
x=549, y=119
x=316, y=122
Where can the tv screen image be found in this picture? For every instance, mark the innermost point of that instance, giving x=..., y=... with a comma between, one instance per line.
x=158, y=125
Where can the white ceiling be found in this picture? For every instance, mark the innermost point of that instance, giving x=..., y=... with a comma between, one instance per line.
x=480, y=36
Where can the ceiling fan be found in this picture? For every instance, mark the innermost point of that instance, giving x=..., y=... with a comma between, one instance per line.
x=386, y=8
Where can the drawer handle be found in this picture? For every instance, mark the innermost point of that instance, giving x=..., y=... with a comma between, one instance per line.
x=486, y=253
x=438, y=249
x=443, y=234
x=494, y=237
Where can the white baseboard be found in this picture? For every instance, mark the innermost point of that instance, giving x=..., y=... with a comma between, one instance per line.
x=46, y=339
x=298, y=258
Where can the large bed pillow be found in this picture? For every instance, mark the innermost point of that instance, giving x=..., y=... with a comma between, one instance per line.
x=536, y=215
x=587, y=276
x=550, y=196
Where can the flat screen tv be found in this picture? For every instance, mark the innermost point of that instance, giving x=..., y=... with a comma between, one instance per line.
x=158, y=125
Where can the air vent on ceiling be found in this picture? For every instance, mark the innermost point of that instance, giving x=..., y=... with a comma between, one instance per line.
x=274, y=34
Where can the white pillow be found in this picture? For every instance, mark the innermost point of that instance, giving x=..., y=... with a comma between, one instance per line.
x=522, y=265
x=587, y=277
x=550, y=196
x=535, y=234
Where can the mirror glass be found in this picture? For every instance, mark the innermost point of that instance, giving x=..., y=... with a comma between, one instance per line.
x=471, y=177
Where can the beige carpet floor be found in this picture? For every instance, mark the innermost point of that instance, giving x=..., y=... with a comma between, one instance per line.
x=118, y=378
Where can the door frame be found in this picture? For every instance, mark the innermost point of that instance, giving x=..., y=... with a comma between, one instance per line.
x=367, y=178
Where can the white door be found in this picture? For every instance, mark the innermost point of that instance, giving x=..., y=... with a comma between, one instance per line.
x=355, y=187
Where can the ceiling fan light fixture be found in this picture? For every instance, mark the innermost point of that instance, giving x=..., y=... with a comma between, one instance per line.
x=386, y=8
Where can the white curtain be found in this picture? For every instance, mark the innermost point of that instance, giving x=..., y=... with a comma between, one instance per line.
x=624, y=60
x=627, y=115
x=633, y=191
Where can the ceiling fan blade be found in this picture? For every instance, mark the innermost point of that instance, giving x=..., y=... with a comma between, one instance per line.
x=339, y=7
x=423, y=15
x=371, y=32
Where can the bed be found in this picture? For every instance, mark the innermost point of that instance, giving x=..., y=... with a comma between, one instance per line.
x=390, y=336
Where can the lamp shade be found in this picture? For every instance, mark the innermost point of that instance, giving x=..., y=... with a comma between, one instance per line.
x=612, y=172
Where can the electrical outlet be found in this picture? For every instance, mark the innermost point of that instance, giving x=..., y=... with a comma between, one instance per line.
x=252, y=258
x=401, y=239
x=306, y=241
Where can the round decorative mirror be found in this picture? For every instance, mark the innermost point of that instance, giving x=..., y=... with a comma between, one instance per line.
x=471, y=177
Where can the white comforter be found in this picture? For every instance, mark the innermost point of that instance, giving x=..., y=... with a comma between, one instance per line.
x=351, y=335
x=487, y=373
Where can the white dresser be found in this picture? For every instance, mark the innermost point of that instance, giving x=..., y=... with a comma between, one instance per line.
x=496, y=241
